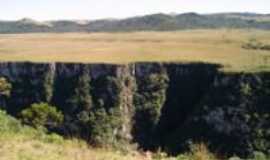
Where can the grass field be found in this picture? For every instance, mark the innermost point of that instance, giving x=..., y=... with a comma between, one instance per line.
x=221, y=46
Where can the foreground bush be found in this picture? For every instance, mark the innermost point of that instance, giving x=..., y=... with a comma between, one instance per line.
x=42, y=115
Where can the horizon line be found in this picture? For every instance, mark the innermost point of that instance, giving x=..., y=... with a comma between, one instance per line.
x=140, y=15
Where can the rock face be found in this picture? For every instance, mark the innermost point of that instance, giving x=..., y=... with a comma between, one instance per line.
x=157, y=105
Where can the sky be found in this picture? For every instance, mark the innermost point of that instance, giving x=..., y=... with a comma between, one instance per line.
x=98, y=9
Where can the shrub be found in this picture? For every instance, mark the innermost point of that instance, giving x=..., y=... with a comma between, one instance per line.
x=42, y=115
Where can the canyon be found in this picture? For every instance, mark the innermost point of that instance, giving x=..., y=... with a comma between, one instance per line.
x=155, y=105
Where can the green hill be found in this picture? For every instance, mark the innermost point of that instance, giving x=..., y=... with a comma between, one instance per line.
x=154, y=22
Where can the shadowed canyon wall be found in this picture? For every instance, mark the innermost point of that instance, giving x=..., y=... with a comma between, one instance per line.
x=157, y=105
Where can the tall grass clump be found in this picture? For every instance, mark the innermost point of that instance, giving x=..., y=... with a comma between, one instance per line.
x=198, y=151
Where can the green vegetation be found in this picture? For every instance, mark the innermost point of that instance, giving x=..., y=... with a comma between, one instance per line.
x=11, y=127
x=42, y=115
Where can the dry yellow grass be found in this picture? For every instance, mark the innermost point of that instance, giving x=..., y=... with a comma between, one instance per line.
x=221, y=46
x=21, y=147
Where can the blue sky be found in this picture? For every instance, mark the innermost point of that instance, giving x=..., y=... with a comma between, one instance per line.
x=96, y=9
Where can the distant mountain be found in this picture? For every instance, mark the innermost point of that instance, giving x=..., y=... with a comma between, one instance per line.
x=154, y=22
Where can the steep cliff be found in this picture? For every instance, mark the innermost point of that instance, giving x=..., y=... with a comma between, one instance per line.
x=157, y=105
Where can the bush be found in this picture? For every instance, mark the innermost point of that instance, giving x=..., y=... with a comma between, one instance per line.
x=42, y=115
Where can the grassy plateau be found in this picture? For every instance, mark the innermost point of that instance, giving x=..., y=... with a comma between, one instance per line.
x=222, y=46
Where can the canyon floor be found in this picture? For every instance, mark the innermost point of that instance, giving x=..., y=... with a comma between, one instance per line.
x=222, y=46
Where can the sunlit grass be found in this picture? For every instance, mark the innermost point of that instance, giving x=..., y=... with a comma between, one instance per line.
x=222, y=46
